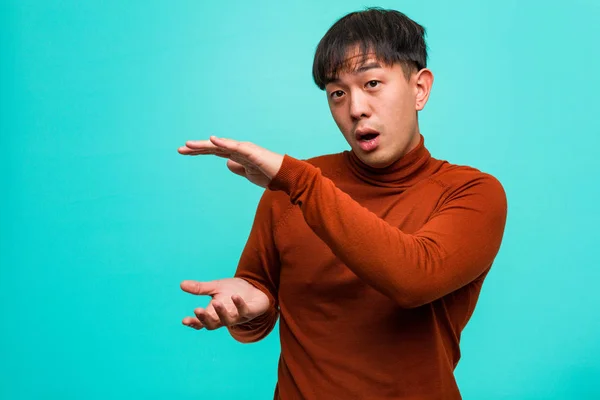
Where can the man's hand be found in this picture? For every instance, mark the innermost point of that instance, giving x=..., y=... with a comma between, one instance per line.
x=246, y=159
x=234, y=301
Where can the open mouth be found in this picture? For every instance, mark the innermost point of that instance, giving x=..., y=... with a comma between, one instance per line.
x=368, y=136
x=367, y=141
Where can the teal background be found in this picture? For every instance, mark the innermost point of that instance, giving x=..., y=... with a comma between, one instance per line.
x=100, y=218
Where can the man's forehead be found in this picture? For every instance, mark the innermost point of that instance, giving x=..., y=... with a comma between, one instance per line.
x=354, y=63
x=355, y=59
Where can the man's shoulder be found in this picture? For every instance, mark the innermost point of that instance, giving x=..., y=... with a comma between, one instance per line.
x=459, y=177
x=326, y=161
x=332, y=165
x=472, y=187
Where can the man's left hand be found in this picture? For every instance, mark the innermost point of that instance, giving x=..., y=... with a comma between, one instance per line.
x=246, y=159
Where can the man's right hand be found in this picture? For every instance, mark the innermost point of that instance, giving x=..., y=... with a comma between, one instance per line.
x=234, y=301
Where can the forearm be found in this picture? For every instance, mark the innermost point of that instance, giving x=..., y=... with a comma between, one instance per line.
x=259, y=266
x=410, y=269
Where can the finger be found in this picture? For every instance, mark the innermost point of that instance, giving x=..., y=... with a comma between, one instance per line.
x=229, y=144
x=240, y=304
x=199, y=288
x=246, y=151
x=192, y=323
x=226, y=318
x=236, y=168
x=209, y=320
x=200, y=144
x=185, y=150
x=221, y=154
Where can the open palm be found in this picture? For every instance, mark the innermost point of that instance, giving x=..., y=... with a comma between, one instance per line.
x=234, y=301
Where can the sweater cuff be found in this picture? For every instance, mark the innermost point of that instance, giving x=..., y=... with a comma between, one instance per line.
x=288, y=175
x=263, y=323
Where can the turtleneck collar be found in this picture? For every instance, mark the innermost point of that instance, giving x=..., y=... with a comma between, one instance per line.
x=406, y=171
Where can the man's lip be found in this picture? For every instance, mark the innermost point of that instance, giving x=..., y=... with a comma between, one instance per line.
x=359, y=133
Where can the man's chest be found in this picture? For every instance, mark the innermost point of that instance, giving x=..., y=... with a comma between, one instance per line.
x=308, y=265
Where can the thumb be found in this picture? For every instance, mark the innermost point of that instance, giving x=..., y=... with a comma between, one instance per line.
x=195, y=287
x=236, y=168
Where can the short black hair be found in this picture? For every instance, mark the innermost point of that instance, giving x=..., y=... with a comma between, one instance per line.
x=390, y=34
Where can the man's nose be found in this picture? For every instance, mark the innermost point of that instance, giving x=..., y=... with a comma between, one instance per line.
x=359, y=106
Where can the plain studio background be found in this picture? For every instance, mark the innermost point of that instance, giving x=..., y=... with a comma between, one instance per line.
x=101, y=218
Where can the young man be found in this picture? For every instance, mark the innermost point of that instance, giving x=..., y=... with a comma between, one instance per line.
x=373, y=258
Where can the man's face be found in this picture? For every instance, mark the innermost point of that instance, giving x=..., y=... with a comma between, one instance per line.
x=375, y=107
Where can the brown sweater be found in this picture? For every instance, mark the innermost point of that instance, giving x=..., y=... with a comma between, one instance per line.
x=374, y=273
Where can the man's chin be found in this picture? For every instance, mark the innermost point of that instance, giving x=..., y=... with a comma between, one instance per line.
x=376, y=159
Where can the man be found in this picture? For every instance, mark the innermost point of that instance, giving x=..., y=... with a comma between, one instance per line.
x=373, y=258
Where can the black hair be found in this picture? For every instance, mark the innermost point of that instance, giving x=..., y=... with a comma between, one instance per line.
x=389, y=34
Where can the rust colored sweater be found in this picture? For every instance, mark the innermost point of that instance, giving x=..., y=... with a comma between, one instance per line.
x=374, y=273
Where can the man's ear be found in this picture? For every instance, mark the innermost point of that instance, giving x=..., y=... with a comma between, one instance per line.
x=423, y=82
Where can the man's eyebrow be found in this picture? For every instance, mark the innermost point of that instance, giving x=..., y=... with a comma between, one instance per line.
x=359, y=70
x=366, y=67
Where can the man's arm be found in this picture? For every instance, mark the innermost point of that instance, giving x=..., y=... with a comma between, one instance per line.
x=457, y=245
x=453, y=248
x=259, y=265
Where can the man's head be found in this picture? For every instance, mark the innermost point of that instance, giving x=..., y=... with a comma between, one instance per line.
x=372, y=64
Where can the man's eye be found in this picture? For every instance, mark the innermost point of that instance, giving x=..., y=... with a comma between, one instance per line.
x=372, y=84
x=336, y=94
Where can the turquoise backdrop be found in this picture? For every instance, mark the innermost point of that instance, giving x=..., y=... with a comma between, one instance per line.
x=100, y=218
